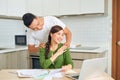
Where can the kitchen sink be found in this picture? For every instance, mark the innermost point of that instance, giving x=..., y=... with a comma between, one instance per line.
x=3, y=48
x=85, y=48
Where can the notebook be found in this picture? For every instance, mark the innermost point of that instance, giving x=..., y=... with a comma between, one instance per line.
x=90, y=68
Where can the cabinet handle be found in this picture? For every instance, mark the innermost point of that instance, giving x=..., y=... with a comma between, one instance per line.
x=118, y=43
x=79, y=59
x=34, y=57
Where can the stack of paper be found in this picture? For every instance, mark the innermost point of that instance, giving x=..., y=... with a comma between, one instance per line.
x=40, y=73
x=32, y=73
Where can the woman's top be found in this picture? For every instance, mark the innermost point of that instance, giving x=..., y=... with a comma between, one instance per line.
x=61, y=60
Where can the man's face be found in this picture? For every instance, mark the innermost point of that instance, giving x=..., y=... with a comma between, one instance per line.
x=36, y=25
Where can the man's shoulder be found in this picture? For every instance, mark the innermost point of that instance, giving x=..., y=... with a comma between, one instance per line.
x=49, y=17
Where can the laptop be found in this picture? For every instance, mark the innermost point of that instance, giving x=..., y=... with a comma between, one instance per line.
x=90, y=68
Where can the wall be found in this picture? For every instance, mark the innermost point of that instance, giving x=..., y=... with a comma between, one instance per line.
x=8, y=29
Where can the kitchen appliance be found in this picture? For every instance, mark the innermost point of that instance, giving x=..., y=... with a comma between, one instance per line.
x=34, y=62
x=20, y=40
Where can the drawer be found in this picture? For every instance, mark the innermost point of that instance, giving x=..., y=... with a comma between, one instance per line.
x=77, y=64
x=86, y=55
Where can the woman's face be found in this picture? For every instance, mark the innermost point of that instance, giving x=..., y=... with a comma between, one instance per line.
x=58, y=36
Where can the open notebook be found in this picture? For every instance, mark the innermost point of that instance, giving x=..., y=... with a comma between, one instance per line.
x=40, y=73
x=90, y=68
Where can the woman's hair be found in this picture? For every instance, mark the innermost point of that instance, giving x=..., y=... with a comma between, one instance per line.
x=53, y=30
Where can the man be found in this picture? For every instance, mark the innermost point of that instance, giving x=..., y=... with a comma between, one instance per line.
x=40, y=28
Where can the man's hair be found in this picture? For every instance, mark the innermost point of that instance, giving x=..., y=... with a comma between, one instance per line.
x=28, y=18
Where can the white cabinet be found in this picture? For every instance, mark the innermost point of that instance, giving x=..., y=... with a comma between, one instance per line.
x=34, y=7
x=3, y=7
x=51, y=7
x=16, y=7
x=69, y=7
x=65, y=7
x=92, y=6
x=75, y=7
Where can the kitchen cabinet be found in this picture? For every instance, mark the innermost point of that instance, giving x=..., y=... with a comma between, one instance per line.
x=92, y=6
x=35, y=7
x=23, y=59
x=3, y=7
x=75, y=7
x=69, y=7
x=65, y=7
x=16, y=7
x=11, y=60
x=51, y=7
x=14, y=60
x=2, y=61
x=79, y=57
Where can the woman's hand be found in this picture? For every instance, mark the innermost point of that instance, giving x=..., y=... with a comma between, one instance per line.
x=61, y=50
x=66, y=67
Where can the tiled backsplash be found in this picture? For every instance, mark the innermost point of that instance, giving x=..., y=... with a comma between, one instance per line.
x=89, y=30
x=8, y=29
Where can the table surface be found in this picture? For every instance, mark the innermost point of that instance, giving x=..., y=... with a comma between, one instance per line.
x=10, y=74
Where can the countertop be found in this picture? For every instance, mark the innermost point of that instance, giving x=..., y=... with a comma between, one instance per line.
x=97, y=50
x=81, y=49
x=17, y=48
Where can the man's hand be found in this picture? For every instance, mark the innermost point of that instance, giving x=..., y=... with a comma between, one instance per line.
x=67, y=44
x=42, y=45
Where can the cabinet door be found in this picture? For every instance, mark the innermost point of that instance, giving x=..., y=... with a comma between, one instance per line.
x=16, y=8
x=51, y=7
x=69, y=7
x=3, y=7
x=23, y=60
x=35, y=7
x=77, y=64
x=91, y=6
x=78, y=57
x=11, y=60
x=3, y=61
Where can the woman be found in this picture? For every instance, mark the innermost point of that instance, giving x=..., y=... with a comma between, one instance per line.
x=55, y=55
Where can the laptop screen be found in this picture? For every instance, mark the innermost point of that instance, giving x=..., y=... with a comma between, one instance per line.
x=91, y=68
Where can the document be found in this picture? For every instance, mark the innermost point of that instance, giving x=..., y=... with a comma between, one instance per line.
x=40, y=73
x=32, y=73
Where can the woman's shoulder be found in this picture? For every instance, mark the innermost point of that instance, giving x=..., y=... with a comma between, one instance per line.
x=42, y=49
x=60, y=45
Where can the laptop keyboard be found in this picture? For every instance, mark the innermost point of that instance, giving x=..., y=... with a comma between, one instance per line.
x=75, y=76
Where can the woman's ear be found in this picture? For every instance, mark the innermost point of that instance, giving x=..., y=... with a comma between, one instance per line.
x=51, y=34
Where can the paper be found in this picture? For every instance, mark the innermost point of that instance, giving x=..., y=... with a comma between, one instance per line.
x=32, y=73
x=56, y=73
x=41, y=73
x=71, y=72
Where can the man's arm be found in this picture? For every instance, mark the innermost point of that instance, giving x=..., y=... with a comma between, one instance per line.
x=68, y=35
x=33, y=49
